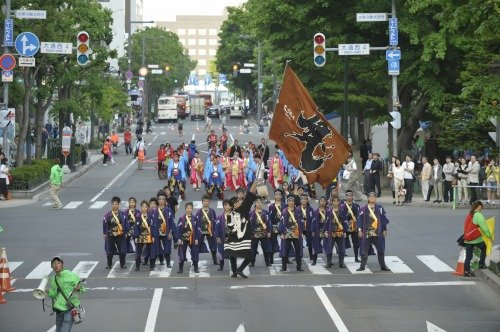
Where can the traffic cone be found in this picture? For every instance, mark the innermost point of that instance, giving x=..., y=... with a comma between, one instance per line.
x=5, y=285
x=459, y=271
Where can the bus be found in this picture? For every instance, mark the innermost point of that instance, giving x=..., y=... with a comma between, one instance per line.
x=209, y=99
x=167, y=108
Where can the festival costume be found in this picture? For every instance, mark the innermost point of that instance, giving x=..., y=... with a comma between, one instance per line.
x=188, y=232
x=249, y=168
x=130, y=218
x=220, y=233
x=115, y=228
x=322, y=229
x=148, y=257
x=351, y=213
x=339, y=229
x=274, y=216
x=372, y=222
x=291, y=227
x=306, y=214
x=205, y=220
x=166, y=232
x=177, y=177
x=236, y=178
x=196, y=174
x=161, y=156
x=276, y=174
x=261, y=226
x=145, y=232
x=213, y=177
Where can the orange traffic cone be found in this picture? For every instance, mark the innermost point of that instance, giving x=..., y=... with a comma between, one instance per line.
x=5, y=285
x=459, y=271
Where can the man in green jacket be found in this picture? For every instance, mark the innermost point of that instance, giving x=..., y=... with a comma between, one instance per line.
x=68, y=283
x=56, y=178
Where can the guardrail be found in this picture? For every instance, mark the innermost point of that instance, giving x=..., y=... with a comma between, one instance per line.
x=455, y=192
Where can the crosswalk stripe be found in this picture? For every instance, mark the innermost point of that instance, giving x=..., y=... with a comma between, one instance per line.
x=274, y=270
x=219, y=205
x=73, y=205
x=98, y=205
x=197, y=205
x=43, y=269
x=396, y=265
x=352, y=266
x=202, y=267
x=48, y=204
x=246, y=270
x=84, y=268
x=318, y=268
x=14, y=265
x=434, y=263
x=161, y=271
x=117, y=272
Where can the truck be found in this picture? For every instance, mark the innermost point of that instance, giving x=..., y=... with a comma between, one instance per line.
x=167, y=108
x=197, y=107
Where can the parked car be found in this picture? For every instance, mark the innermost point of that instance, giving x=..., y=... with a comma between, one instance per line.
x=213, y=112
x=236, y=112
x=226, y=109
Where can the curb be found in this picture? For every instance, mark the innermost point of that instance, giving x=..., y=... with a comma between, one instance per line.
x=490, y=278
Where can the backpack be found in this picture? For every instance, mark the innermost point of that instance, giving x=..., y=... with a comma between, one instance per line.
x=471, y=230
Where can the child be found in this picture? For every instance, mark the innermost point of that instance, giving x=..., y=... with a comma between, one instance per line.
x=179, y=127
x=401, y=195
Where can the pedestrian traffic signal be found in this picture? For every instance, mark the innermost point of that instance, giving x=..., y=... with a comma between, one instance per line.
x=319, y=49
x=82, y=48
x=396, y=120
x=235, y=68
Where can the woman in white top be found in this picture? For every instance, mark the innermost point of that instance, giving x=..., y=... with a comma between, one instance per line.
x=398, y=174
x=4, y=179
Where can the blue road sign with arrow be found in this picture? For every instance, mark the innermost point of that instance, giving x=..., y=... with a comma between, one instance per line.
x=393, y=55
x=393, y=67
x=27, y=44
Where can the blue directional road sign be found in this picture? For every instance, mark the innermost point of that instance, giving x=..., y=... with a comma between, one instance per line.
x=393, y=55
x=393, y=67
x=222, y=79
x=27, y=44
x=393, y=31
x=8, y=39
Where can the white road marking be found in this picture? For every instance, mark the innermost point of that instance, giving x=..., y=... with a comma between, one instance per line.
x=433, y=328
x=43, y=269
x=53, y=329
x=434, y=263
x=396, y=265
x=163, y=133
x=274, y=269
x=73, y=205
x=232, y=138
x=117, y=272
x=98, y=205
x=245, y=271
x=197, y=205
x=161, y=271
x=330, y=309
x=219, y=205
x=179, y=287
x=372, y=285
x=13, y=265
x=153, y=310
x=202, y=267
x=318, y=268
x=352, y=266
x=48, y=204
x=84, y=268
x=241, y=328
x=193, y=137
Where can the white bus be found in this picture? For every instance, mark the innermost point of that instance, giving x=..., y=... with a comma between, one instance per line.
x=167, y=108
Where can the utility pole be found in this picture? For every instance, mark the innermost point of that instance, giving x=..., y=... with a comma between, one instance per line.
x=345, y=122
x=395, y=99
x=5, y=141
x=259, y=83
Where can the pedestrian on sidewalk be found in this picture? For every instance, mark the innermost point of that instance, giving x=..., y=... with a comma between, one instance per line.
x=351, y=175
x=64, y=284
x=409, y=168
x=425, y=176
x=474, y=222
x=140, y=152
x=127, y=138
x=367, y=174
x=56, y=179
x=106, y=148
x=4, y=179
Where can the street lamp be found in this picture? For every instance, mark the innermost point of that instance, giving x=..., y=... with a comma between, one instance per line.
x=129, y=46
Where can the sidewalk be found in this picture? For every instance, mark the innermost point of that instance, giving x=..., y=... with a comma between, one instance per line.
x=94, y=156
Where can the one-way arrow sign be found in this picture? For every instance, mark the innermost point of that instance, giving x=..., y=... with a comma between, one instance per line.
x=27, y=44
x=393, y=55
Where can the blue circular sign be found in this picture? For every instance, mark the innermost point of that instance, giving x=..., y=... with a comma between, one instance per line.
x=27, y=44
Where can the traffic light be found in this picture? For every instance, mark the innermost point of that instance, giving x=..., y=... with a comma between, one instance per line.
x=167, y=70
x=319, y=49
x=82, y=48
x=396, y=120
x=235, y=68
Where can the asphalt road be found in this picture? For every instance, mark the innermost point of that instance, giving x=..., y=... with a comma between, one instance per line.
x=421, y=250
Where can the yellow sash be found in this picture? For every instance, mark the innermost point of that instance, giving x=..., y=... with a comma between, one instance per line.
x=292, y=216
x=146, y=226
x=132, y=216
x=352, y=227
x=304, y=216
x=374, y=224
x=120, y=228
x=191, y=228
x=209, y=222
x=163, y=222
x=262, y=224
x=337, y=221
x=278, y=210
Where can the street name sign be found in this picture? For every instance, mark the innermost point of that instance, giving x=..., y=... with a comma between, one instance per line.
x=371, y=17
x=249, y=65
x=8, y=35
x=7, y=62
x=27, y=44
x=393, y=55
x=26, y=62
x=56, y=48
x=393, y=31
x=31, y=14
x=393, y=67
x=153, y=66
x=156, y=71
x=245, y=71
x=354, y=49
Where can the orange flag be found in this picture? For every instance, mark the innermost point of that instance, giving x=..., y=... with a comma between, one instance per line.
x=309, y=141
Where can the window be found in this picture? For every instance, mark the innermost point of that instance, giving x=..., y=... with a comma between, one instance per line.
x=212, y=42
x=202, y=32
x=202, y=62
x=182, y=41
x=192, y=52
x=212, y=32
x=212, y=52
x=181, y=32
x=191, y=42
x=202, y=51
x=191, y=32
x=202, y=42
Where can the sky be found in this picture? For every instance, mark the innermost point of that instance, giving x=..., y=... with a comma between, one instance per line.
x=166, y=10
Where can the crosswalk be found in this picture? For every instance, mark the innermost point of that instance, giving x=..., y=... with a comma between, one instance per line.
x=98, y=205
x=96, y=269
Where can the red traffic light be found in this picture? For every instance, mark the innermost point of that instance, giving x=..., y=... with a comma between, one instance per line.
x=319, y=39
x=83, y=37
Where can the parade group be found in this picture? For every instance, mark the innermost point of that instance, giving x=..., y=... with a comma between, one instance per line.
x=285, y=226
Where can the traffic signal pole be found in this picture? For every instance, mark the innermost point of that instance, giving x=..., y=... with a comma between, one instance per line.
x=5, y=141
x=395, y=98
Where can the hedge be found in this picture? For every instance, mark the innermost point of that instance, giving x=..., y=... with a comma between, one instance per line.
x=39, y=169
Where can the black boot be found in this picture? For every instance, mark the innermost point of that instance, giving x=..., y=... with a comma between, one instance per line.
x=167, y=259
x=269, y=259
x=252, y=262
x=161, y=260
x=283, y=264
x=341, y=262
x=364, y=259
x=309, y=248
x=314, y=259
x=356, y=251
x=328, y=261
x=195, y=265
x=381, y=261
x=145, y=261
x=299, y=264
x=138, y=264
x=214, y=257
x=152, y=263
x=221, y=265
x=122, y=261
x=110, y=261
x=181, y=267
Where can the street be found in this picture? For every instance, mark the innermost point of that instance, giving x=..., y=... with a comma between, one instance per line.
x=421, y=251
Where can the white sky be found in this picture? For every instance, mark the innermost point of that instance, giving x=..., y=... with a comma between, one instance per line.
x=166, y=10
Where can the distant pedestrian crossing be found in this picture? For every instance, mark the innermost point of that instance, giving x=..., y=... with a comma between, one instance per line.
x=96, y=269
x=98, y=205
